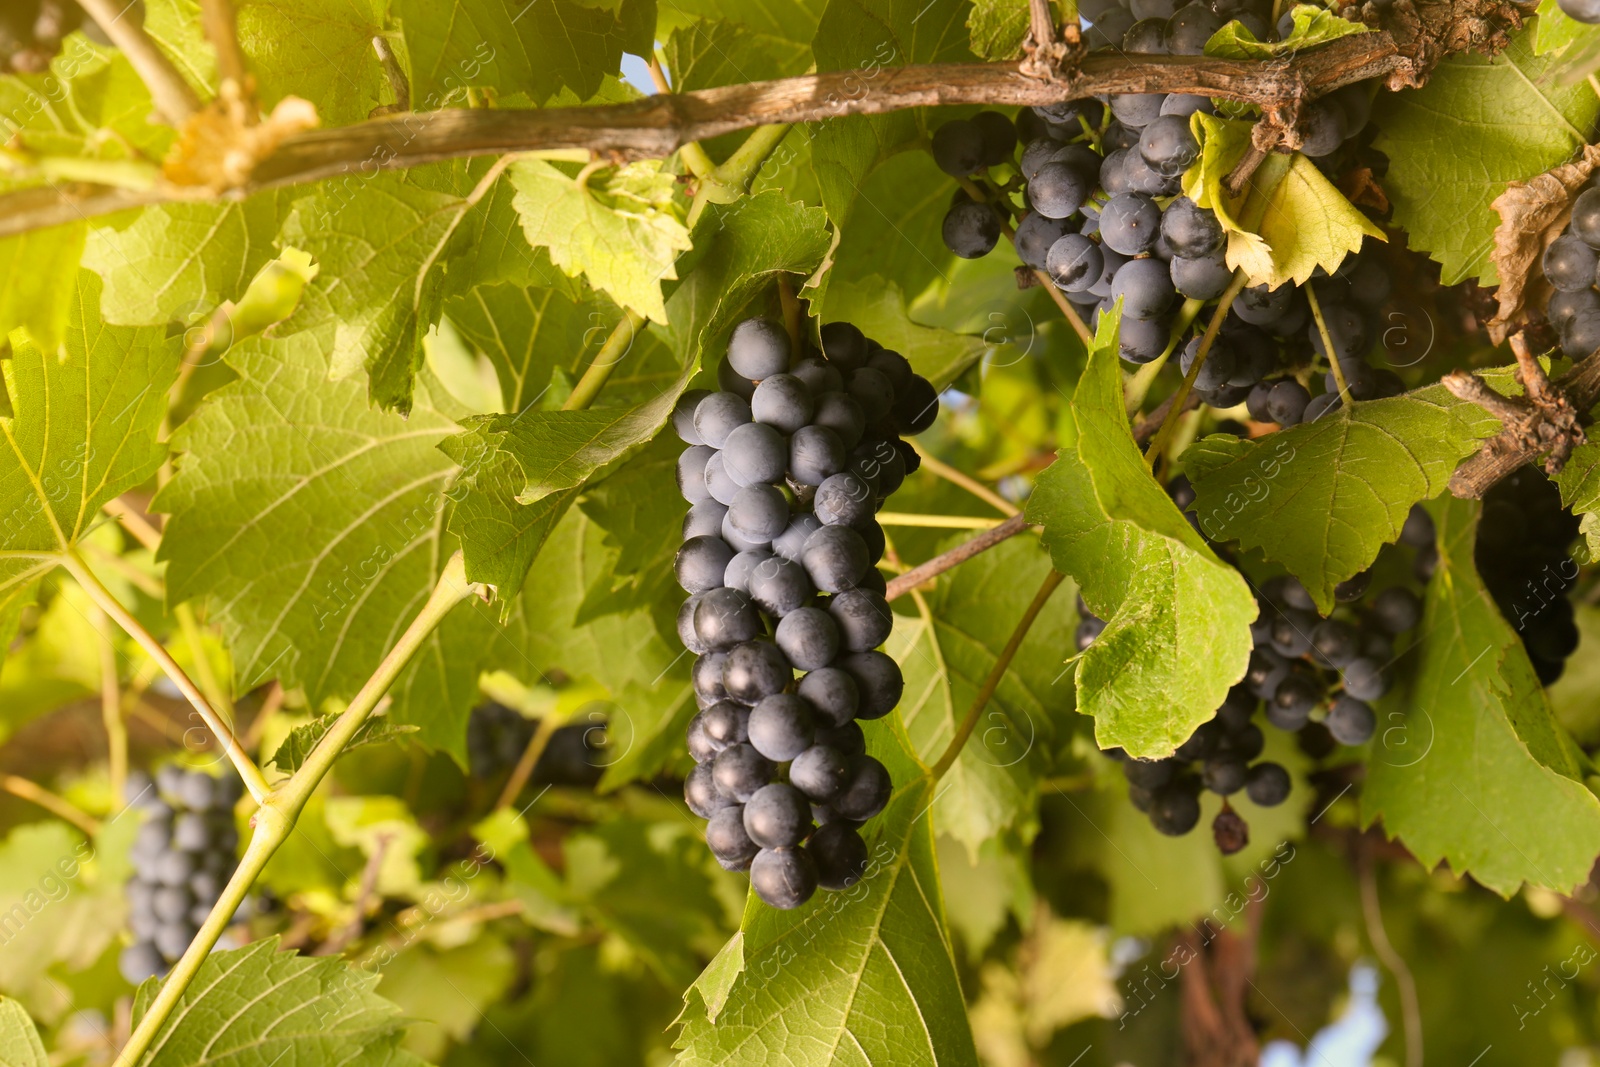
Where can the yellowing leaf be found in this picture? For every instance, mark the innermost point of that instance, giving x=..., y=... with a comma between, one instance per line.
x=1290, y=219
x=619, y=229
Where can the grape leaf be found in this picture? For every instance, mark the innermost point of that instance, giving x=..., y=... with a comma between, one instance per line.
x=947, y=651
x=1579, y=482
x=37, y=271
x=1323, y=497
x=518, y=47
x=19, y=1038
x=1455, y=143
x=1474, y=769
x=1312, y=26
x=620, y=229
x=1289, y=221
x=864, y=976
x=1177, y=630
x=878, y=308
x=997, y=28
x=897, y=231
x=513, y=462
x=704, y=55
x=174, y=260
x=320, y=50
x=525, y=333
x=82, y=431
x=782, y=30
x=382, y=252
x=873, y=36
x=294, y=749
x=256, y=1005
x=641, y=512
x=312, y=523
x=62, y=903
x=444, y=989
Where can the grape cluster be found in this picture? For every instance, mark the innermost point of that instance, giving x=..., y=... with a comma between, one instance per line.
x=497, y=736
x=183, y=856
x=31, y=32
x=1571, y=264
x=1105, y=219
x=1522, y=554
x=1315, y=676
x=786, y=467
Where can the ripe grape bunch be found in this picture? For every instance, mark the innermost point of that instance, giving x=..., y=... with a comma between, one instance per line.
x=1316, y=677
x=786, y=467
x=1523, y=555
x=1102, y=216
x=1571, y=266
x=183, y=856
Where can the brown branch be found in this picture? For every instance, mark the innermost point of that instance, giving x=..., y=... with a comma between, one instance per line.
x=1545, y=422
x=656, y=126
x=914, y=577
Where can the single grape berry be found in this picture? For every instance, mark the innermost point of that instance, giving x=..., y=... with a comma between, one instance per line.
x=728, y=840
x=866, y=791
x=833, y=694
x=758, y=349
x=840, y=855
x=781, y=727
x=971, y=230
x=1569, y=263
x=777, y=816
x=820, y=772
x=1267, y=784
x=809, y=637
x=959, y=149
x=783, y=877
x=878, y=681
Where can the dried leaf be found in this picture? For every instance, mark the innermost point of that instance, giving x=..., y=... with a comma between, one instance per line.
x=217, y=148
x=1532, y=215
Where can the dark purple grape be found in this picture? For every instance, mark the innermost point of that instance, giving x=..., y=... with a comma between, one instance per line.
x=777, y=816
x=836, y=557
x=756, y=669
x=878, y=682
x=739, y=770
x=683, y=416
x=728, y=840
x=820, y=772
x=779, y=585
x=809, y=637
x=1058, y=190
x=758, y=348
x=999, y=136
x=1145, y=288
x=1167, y=145
x=726, y=617
x=1129, y=223
x=833, y=694
x=840, y=855
x=756, y=454
x=701, y=792
x=866, y=792
x=959, y=149
x=783, y=877
x=701, y=562
x=1267, y=785
x=844, y=346
x=1175, y=811
x=971, y=230
x=718, y=415
x=692, y=473
x=1036, y=234
x=1074, y=263
x=1205, y=278
x=915, y=408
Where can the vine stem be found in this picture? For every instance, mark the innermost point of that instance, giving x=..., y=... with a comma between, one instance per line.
x=59, y=806
x=1164, y=434
x=938, y=467
x=1372, y=914
x=275, y=819
x=992, y=682
x=171, y=94
x=1327, y=346
x=111, y=707
x=222, y=29
x=914, y=577
x=940, y=522
x=527, y=762
x=248, y=771
x=605, y=361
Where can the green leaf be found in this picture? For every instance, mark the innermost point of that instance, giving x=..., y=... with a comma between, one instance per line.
x=175, y=260
x=1579, y=482
x=516, y=47
x=312, y=523
x=652, y=884
x=83, y=431
x=619, y=228
x=382, y=253
x=783, y=31
x=998, y=28
x=897, y=231
x=1312, y=26
x=1323, y=497
x=19, y=1038
x=1177, y=633
x=641, y=512
x=877, y=306
x=872, y=36
x=526, y=334
x=947, y=651
x=1455, y=143
x=1290, y=219
x=704, y=55
x=1471, y=766
x=302, y=739
x=255, y=1005
x=514, y=463
x=320, y=50
x=61, y=896
x=864, y=976
x=446, y=989
x=37, y=272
